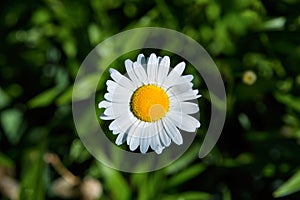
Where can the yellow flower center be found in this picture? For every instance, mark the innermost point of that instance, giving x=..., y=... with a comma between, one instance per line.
x=149, y=103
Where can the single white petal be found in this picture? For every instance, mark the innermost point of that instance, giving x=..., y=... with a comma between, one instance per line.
x=174, y=77
x=152, y=66
x=131, y=74
x=121, y=139
x=163, y=69
x=188, y=78
x=104, y=117
x=183, y=121
x=172, y=131
x=185, y=107
x=121, y=80
x=141, y=59
x=145, y=140
x=104, y=104
x=116, y=131
x=134, y=143
x=189, y=95
x=159, y=149
x=140, y=72
x=155, y=142
x=108, y=96
x=178, y=69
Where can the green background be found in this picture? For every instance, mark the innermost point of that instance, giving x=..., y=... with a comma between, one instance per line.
x=258, y=155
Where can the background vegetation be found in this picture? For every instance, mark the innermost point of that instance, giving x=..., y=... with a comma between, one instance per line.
x=257, y=157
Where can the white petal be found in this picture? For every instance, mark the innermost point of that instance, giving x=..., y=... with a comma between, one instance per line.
x=189, y=95
x=116, y=110
x=172, y=131
x=188, y=78
x=159, y=149
x=108, y=96
x=155, y=143
x=116, y=131
x=179, y=68
x=112, y=86
x=145, y=140
x=141, y=59
x=119, y=96
x=178, y=89
x=152, y=68
x=165, y=139
x=163, y=69
x=121, y=139
x=131, y=74
x=174, y=77
x=121, y=80
x=140, y=72
x=134, y=135
x=104, y=117
x=183, y=121
x=185, y=107
x=104, y=104
x=134, y=143
x=123, y=122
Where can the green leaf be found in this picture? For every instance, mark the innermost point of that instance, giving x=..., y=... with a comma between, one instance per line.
x=33, y=174
x=274, y=24
x=188, y=196
x=183, y=161
x=116, y=183
x=185, y=175
x=45, y=98
x=78, y=152
x=11, y=121
x=4, y=100
x=65, y=97
x=69, y=48
x=292, y=185
x=289, y=100
x=94, y=34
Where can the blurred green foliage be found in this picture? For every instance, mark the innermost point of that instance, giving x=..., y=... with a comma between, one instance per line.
x=257, y=156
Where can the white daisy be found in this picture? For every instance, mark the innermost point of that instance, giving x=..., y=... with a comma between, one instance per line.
x=151, y=104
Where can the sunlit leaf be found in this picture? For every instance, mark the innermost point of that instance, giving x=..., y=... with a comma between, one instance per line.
x=292, y=185
x=4, y=100
x=289, y=100
x=11, y=121
x=78, y=152
x=185, y=175
x=274, y=24
x=45, y=98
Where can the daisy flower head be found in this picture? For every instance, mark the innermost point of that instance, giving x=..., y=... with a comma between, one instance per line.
x=150, y=104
